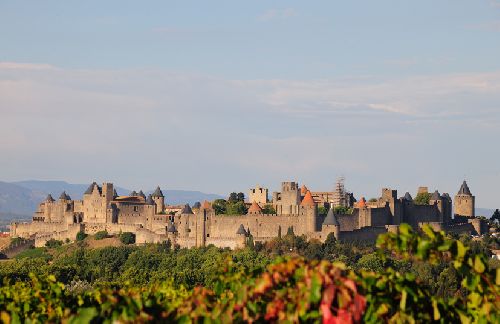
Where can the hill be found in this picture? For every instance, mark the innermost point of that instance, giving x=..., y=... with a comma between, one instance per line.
x=18, y=200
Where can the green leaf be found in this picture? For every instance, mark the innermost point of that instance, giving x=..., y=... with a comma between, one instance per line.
x=402, y=303
x=479, y=266
x=315, y=289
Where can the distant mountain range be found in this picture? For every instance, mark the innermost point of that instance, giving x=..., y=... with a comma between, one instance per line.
x=18, y=200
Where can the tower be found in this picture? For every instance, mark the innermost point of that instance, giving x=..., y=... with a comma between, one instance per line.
x=259, y=195
x=309, y=210
x=159, y=200
x=465, y=202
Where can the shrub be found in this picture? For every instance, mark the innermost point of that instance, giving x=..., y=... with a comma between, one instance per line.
x=52, y=243
x=101, y=235
x=127, y=238
x=80, y=236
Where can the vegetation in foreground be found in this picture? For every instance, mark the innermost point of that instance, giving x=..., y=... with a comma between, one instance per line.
x=406, y=278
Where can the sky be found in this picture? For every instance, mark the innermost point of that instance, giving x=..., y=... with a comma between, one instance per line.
x=219, y=96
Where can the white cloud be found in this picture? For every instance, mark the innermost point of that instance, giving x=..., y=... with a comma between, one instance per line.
x=104, y=123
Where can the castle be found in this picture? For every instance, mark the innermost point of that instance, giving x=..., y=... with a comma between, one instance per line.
x=101, y=209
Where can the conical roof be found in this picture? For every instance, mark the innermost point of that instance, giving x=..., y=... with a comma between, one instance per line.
x=150, y=200
x=186, y=210
x=408, y=196
x=464, y=189
x=141, y=194
x=308, y=200
x=158, y=193
x=197, y=205
x=133, y=193
x=362, y=202
x=49, y=198
x=241, y=230
x=64, y=196
x=255, y=208
x=436, y=195
x=303, y=190
x=330, y=218
x=115, y=194
x=90, y=188
x=206, y=205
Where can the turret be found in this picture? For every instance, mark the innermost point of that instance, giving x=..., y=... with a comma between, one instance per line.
x=465, y=202
x=159, y=200
x=309, y=209
x=241, y=233
x=331, y=224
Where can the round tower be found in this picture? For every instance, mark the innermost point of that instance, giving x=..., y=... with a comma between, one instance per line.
x=309, y=209
x=159, y=200
x=465, y=202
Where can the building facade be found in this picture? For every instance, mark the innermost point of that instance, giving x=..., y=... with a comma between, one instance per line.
x=101, y=209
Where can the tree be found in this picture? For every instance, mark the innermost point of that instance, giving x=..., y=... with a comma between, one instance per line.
x=80, y=236
x=268, y=210
x=233, y=197
x=422, y=198
x=236, y=208
x=127, y=238
x=101, y=235
x=219, y=206
x=279, y=231
x=322, y=210
x=289, y=231
x=52, y=243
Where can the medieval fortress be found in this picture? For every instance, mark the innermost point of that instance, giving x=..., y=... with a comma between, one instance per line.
x=297, y=208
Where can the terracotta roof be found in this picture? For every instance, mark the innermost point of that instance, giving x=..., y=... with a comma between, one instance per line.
x=303, y=190
x=206, y=205
x=308, y=200
x=255, y=208
x=362, y=202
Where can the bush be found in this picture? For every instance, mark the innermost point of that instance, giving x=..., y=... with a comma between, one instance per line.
x=127, y=238
x=101, y=235
x=52, y=243
x=81, y=236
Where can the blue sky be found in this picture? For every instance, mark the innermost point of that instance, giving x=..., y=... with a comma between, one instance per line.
x=220, y=95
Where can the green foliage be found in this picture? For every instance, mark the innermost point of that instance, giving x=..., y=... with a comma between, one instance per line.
x=236, y=197
x=16, y=241
x=343, y=210
x=80, y=236
x=268, y=210
x=101, y=235
x=34, y=253
x=322, y=210
x=422, y=198
x=410, y=278
x=373, y=200
x=52, y=243
x=219, y=206
x=127, y=238
x=236, y=208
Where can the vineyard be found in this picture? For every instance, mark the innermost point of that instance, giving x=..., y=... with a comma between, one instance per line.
x=261, y=289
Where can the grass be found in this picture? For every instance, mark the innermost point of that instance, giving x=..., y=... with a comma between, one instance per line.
x=34, y=253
